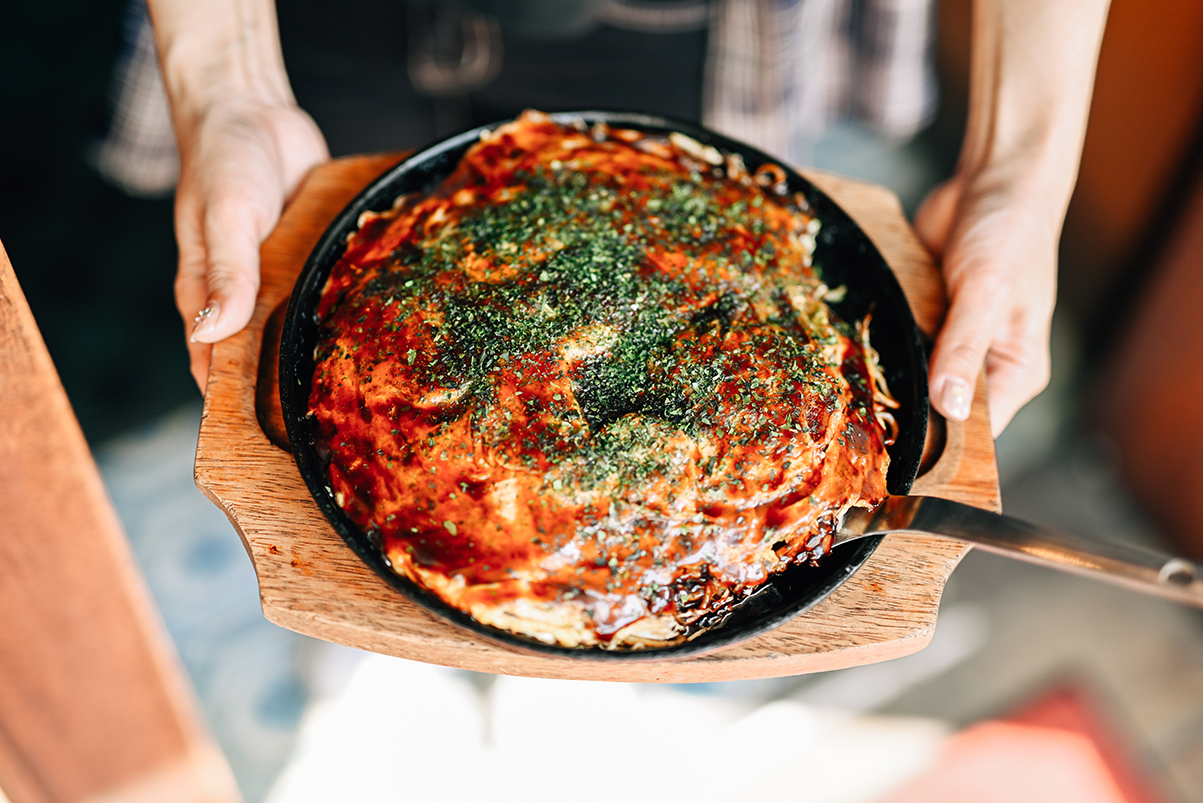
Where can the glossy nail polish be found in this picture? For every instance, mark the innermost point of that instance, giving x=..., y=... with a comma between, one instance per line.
x=956, y=398
x=205, y=322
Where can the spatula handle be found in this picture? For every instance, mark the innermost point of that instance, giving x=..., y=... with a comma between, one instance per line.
x=1123, y=564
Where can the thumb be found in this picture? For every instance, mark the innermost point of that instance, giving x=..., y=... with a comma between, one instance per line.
x=231, y=271
x=963, y=342
x=936, y=215
x=974, y=316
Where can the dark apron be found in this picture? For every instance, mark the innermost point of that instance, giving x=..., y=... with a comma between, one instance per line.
x=384, y=75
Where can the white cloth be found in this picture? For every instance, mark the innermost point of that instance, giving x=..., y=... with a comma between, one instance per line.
x=139, y=153
x=780, y=72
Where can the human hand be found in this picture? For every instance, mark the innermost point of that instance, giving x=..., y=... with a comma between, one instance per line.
x=997, y=244
x=239, y=162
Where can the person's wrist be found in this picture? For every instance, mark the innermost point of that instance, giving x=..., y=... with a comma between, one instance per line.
x=199, y=128
x=1037, y=179
x=212, y=60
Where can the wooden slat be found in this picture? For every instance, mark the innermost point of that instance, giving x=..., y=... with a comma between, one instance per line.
x=311, y=582
x=93, y=704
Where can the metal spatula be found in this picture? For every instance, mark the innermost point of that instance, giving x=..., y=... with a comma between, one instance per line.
x=1134, y=567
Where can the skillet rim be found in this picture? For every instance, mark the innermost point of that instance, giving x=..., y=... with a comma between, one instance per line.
x=788, y=593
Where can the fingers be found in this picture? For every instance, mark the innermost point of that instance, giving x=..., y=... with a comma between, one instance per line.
x=217, y=281
x=231, y=270
x=233, y=183
x=1018, y=367
x=227, y=200
x=999, y=264
x=968, y=332
x=191, y=284
x=961, y=345
x=1014, y=351
x=199, y=357
x=937, y=214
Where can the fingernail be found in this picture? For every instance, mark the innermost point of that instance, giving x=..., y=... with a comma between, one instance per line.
x=955, y=398
x=206, y=321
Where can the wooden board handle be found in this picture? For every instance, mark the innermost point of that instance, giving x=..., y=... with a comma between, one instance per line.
x=311, y=582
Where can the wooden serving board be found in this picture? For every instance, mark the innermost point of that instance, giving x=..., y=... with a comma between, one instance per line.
x=311, y=582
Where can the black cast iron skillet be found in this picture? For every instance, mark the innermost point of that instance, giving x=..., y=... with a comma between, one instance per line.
x=844, y=256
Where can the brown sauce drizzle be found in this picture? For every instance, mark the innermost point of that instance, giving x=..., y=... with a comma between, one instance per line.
x=592, y=370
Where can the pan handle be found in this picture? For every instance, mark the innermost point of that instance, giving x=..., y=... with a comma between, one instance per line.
x=1130, y=566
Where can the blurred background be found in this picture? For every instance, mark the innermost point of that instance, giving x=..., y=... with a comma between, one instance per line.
x=1110, y=449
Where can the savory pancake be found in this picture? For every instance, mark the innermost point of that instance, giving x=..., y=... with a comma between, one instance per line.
x=588, y=389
